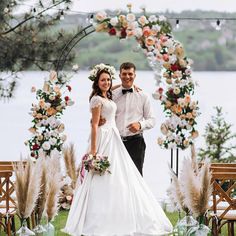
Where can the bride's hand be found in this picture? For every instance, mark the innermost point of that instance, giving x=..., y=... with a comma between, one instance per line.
x=92, y=153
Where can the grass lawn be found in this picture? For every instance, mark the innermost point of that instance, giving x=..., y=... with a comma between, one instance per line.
x=60, y=221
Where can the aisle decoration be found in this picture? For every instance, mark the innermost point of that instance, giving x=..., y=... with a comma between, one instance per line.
x=191, y=193
x=47, y=129
x=40, y=203
x=70, y=180
x=27, y=187
x=54, y=181
x=172, y=70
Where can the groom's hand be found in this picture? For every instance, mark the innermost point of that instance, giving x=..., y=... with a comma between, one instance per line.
x=114, y=87
x=134, y=127
x=102, y=121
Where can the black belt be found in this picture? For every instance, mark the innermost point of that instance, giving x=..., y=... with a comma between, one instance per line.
x=127, y=138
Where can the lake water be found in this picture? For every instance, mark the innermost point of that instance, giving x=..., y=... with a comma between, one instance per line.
x=215, y=89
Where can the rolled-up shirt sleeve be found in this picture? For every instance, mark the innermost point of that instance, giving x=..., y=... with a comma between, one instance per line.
x=148, y=120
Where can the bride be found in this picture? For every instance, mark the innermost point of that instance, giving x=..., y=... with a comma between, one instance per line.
x=117, y=203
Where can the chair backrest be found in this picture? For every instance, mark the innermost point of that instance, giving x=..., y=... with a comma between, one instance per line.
x=224, y=190
x=6, y=162
x=223, y=164
x=223, y=169
x=7, y=166
x=6, y=190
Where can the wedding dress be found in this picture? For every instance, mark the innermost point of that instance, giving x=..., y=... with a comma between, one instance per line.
x=116, y=204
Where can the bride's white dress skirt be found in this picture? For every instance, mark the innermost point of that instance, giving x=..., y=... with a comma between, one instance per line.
x=116, y=204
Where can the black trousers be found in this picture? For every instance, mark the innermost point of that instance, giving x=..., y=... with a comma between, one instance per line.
x=136, y=149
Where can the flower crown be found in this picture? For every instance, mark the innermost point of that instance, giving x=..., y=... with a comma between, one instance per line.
x=110, y=69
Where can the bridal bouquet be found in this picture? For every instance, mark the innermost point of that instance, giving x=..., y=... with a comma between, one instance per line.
x=95, y=163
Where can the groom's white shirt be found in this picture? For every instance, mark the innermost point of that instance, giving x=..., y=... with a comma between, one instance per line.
x=132, y=107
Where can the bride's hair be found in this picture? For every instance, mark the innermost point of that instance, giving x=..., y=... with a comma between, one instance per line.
x=96, y=89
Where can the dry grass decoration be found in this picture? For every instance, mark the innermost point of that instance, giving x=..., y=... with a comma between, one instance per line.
x=70, y=164
x=27, y=186
x=54, y=186
x=191, y=192
x=41, y=201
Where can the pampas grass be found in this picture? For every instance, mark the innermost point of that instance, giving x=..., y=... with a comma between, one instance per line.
x=176, y=194
x=70, y=163
x=54, y=185
x=191, y=186
x=197, y=188
x=206, y=186
x=191, y=192
x=40, y=205
x=194, y=159
x=27, y=187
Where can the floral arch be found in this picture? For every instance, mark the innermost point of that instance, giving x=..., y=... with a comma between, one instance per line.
x=166, y=57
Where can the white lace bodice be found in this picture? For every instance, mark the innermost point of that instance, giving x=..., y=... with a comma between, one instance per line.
x=108, y=108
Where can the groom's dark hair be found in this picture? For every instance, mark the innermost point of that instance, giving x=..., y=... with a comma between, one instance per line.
x=127, y=65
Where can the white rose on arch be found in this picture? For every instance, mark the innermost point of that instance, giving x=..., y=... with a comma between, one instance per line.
x=46, y=146
x=130, y=17
x=114, y=21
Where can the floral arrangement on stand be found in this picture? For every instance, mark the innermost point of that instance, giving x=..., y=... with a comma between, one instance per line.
x=47, y=129
x=172, y=70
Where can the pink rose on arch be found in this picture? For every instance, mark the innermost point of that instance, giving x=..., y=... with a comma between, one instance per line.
x=101, y=15
x=150, y=41
x=165, y=57
x=33, y=89
x=163, y=38
x=146, y=31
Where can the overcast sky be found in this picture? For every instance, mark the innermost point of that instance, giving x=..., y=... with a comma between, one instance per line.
x=156, y=5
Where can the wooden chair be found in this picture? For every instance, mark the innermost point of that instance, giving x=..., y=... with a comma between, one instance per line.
x=224, y=190
x=11, y=184
x=7, y=211
x=5, y=165
x=9, y=166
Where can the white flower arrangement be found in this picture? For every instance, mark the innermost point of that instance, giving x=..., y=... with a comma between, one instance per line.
x=110, y=69
x=47, y=130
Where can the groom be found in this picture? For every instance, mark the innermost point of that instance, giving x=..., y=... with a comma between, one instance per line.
x=134, y=114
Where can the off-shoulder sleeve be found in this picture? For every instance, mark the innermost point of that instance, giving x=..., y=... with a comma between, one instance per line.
x=95, y=101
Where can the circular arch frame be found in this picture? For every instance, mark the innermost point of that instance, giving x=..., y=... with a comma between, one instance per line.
x=71, y=44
